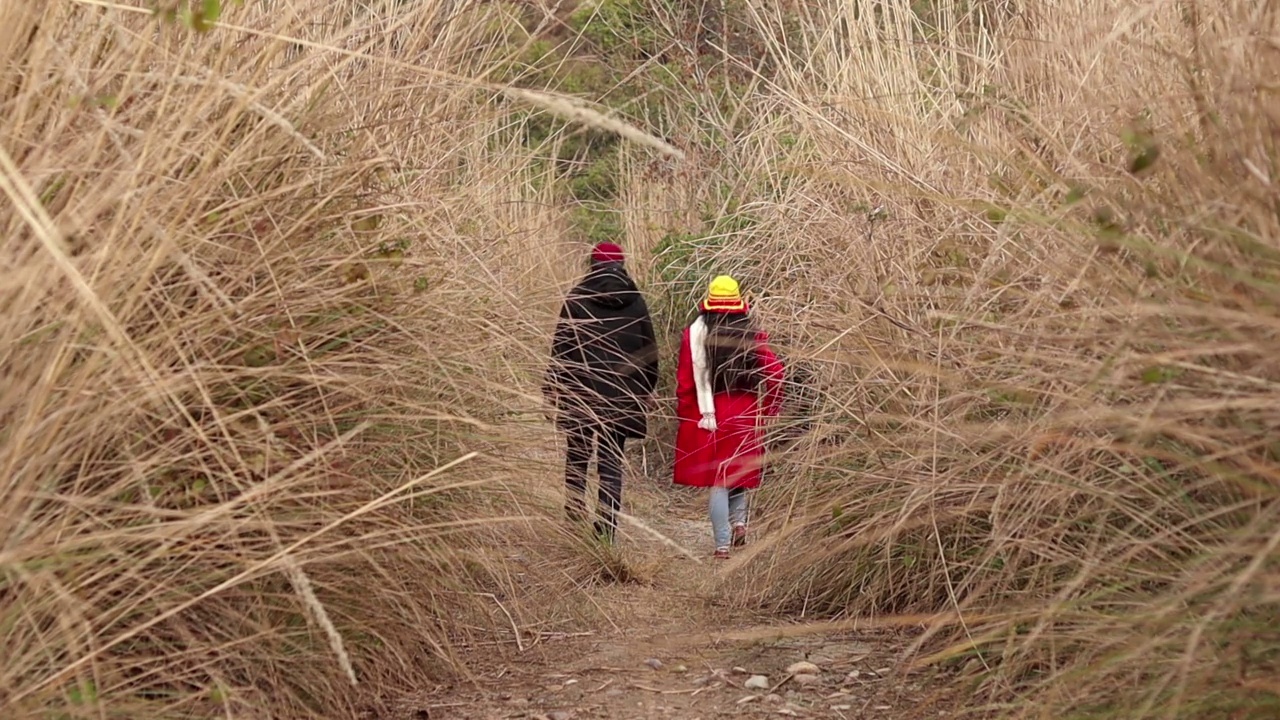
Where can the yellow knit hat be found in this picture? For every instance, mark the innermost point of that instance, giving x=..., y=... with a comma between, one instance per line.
x=723, y=296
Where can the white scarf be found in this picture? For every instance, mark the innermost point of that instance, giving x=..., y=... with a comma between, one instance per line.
x=702, y=369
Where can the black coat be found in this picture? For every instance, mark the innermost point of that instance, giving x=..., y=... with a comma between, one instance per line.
x=604, y=360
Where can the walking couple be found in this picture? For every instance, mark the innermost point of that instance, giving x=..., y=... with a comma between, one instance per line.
x=603, y=374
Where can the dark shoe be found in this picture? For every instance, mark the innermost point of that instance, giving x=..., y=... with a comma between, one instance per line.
x=739, y=535
x=604, y=532
x=721, y=554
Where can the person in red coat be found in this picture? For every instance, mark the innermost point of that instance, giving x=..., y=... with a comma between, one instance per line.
x=728, y=382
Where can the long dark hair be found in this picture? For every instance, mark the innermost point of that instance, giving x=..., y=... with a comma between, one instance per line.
x=732, y=352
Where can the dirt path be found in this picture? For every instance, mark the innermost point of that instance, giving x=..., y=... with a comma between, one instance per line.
x=650, y=652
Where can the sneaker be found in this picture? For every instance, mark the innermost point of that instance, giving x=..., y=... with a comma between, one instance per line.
x=721, y=553
x=739, y=535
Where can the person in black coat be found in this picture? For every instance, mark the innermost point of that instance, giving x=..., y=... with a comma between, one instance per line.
x=603, y=372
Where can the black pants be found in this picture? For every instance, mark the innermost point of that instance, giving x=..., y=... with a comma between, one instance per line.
x=606, y=444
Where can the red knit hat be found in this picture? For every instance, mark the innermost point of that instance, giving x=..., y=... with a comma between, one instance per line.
x=606, y=253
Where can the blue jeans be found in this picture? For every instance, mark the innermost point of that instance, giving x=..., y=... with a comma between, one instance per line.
x=728, y=508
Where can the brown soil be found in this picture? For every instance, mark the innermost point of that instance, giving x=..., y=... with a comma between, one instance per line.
x=655, y=645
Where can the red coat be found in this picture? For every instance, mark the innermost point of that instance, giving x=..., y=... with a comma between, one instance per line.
x=731, y=456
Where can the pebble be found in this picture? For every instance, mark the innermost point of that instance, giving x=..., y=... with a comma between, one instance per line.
x=805, y=679
x=774, y=698
x=853, y=675
x=804, y=667
x=679, y=669
x=654, y=663
x=756, y=682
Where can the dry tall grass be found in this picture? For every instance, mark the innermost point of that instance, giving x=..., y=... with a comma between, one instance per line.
x=247, y=298
x=265, y=284
x=1065, y=445
x=1029, y=254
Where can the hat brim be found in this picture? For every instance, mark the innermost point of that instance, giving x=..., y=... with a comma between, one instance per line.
x=724, y=306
